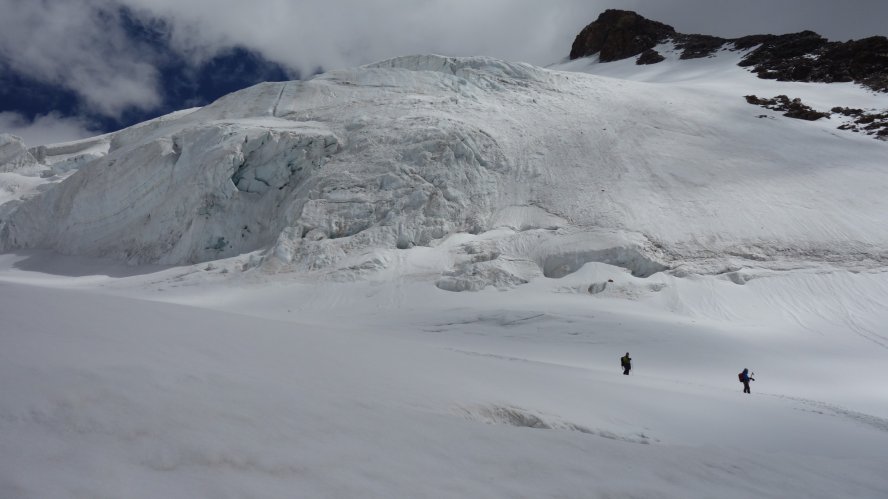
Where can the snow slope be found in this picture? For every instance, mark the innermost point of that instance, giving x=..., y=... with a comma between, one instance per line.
x=187, y=382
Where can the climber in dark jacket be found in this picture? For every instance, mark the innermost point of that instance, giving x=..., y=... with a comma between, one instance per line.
x=626, y=362
x=745, y=379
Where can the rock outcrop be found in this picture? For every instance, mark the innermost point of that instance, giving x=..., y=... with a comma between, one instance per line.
x=649, y=56
x=855, y=120
x=794, y=108
x=864, y=122
x=618, y=34
x=805, y=56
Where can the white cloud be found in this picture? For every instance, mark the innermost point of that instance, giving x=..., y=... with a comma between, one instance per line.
x=46, y=129
x=320, y=33
x=79, y=45
x=310, y=33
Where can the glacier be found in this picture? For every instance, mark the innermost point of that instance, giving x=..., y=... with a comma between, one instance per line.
x=326, y=174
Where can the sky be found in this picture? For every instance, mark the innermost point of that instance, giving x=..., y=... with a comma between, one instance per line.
x=91, y=50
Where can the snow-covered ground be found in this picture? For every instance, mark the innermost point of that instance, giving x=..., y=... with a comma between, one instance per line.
x=188, y=382
x=416, y=279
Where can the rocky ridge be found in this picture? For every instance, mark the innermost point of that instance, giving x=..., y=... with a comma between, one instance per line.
x=805, y=56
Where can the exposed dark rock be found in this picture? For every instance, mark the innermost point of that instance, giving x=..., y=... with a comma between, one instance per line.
x=793, y=108
x=793, y=57
x=785, y=47
x=875, y=124
x=804, y=56
x=649, y=56
x=807, y=56
x=750, y=41
x=869, y=123
x=847, y=111
x=866, y=60
x=697, y=46
x=800, y=111
x=618, y=34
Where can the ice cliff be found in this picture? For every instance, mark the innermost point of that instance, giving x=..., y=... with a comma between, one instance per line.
x=546, y=170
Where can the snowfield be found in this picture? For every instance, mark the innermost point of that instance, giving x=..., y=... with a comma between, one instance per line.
x=187, y=382
x=416, y=279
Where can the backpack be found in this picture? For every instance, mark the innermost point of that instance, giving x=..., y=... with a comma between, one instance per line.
x=741, y=377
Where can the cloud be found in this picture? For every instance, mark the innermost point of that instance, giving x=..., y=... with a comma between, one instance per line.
x=79, y=45
x=83, y=45
x=46, y=129
x=332, y=34
x=319, y=33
